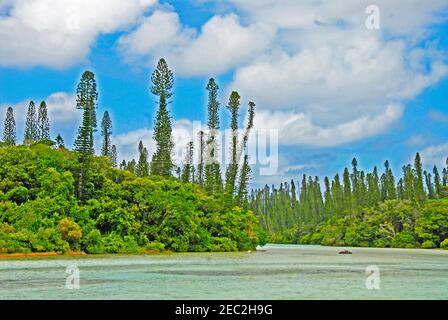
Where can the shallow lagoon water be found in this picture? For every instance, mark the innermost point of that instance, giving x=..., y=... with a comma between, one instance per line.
x=273, y=272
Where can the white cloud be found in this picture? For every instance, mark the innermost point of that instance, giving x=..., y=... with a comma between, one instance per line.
x=435, y=155
x=326, y=79
x=311, y=65
x=404, y=17
x=300, y=129
x=60, y=33
x=222, y=44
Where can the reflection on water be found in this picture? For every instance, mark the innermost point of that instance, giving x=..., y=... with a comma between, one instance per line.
x=273, y=272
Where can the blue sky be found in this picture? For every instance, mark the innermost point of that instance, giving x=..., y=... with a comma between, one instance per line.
x=331, y=87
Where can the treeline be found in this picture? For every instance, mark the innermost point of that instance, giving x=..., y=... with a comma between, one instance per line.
x=290, y=212
x=232, y=180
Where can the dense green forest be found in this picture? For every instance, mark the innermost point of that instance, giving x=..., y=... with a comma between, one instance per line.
x=359, y=209
x=56, y=200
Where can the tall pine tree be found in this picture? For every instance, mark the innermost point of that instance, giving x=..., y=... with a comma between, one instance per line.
x=9, y=129
x=201, y=164
x=420, y=195
x=60, y=142
x=232, y=168
x=142, y=169
x=87, y=97
x=31, y=129
x=213, y=179
x=106, y=132
x=114, y=156
x=43, y=122
x=187, y=171
x=162, y=84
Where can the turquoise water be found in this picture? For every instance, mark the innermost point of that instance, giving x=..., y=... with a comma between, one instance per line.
x=273, y=272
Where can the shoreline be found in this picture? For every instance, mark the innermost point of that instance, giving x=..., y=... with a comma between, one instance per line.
x=41, y=254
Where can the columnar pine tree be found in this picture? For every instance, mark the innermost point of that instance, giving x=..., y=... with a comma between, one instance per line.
x=355, y=183
x=87, y=97
x=187, y=172
x=162, y=84
x=348, y=198
x=400, y=189
x=201, y=167
x=294, y=202
x=244, y=182
x=43, y=122
x=9, y=128
x=232, y=168
x=329, y=204
x=31, y=129
x=304, y=211
x=429, y=185
x=123, y=165
x=60, y=142
x=419, y=190
x=245, y=169
x=409, y=183
x=142, y=169
x=106, y=132
x=114, y=156
x=437, y=183
x=388, y=190
x=213, y=179
x=132, y=165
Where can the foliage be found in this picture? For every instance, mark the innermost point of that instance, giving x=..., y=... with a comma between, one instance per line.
x=43, y=123
x=39, y=210
x=363, y=210
x=31, y=128
x=9, y=128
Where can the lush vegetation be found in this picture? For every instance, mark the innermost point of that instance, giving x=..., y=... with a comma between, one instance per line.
x=53, y=199
x=122, y=213
x=365, y=210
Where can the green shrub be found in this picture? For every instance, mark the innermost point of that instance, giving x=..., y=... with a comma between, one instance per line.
x=404, y=240
x=444, y=244
x=428, y=244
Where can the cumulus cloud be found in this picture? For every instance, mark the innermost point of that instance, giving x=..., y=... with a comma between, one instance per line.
x=405, y=17
x=311, y=65
x=60, y=33
x=327, y=80
x=221, y=44
x=299, y=129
